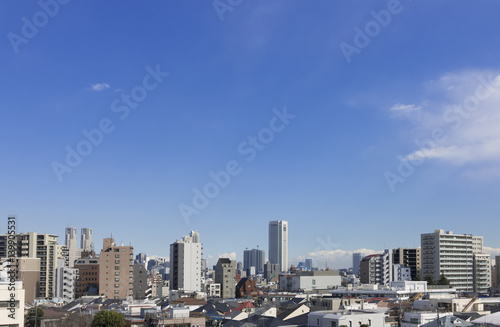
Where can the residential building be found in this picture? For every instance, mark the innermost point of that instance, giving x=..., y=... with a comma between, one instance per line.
x=254, y=258
x=349, y=319
x=497, y=271
x=454, y=256
x=225, y=275
x=44, y=247
x=306, y=281
x=408, y=258
x=88, y=276
x=376, y=269
x=185, y=263
x=246, y=287
x=213, y=290
x=400, y=273
x=278, y=243
x=86, y=239
x=271, y=271
x=116, y=272
x=29, y=274
x=482, y=273
x=356, y=260
x=66, y=279
x=11, y=316
x=140, y=281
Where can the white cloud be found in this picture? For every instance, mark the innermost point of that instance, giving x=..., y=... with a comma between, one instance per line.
x=210, y=256
x=491, y=251
x=231, y=255
x=335, y=259
x=405, y=107
x=99, y=86
x=459, y=124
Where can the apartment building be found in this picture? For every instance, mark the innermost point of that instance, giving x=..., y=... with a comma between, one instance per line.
x=225, y=275
x=66, y=279
x=88, y=276
x=116, y=270
x=408, y=257
x=185, y=263
x=44, y=247
x=459, y=257
x=376, y=269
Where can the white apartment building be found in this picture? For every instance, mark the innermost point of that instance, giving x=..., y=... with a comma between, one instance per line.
x=278, y=243
x=310, y=281
x=185, y=263
x=459, y=257
x=11, y=303
x=66, y=279
x=44, y=247
x=349, y=319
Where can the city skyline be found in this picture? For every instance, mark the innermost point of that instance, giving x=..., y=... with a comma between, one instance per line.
x=361, y=124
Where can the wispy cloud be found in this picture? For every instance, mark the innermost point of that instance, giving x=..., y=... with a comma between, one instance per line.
x=405, y=107
x=491, y=251
x=463, y=109
x=99, y=86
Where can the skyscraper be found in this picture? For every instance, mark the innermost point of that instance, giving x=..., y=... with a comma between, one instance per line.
x=86, y=239
x=185, y=264
x=356, y=259
x=278, y=243
x=70, y=242
x=254, y=258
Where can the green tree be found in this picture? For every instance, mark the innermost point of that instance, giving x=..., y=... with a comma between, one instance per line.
x=443, y=280
x=417, y=278
x=430, y=280
x=32, y=316
x=107, y=318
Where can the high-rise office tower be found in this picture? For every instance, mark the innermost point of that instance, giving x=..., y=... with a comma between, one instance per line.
x=254, y=258
x=70, y=242
x=185, y=264
x=459, y=257
x=278, y=243
x=356, y=259
x=86, y=239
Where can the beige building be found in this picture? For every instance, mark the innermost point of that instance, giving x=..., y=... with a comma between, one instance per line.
x=44, y=247
x=29, y=274
x=116, y=270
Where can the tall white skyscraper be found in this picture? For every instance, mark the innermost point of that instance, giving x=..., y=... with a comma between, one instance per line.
x=70, y=242
x=86, y=239
x=185, y=264
x=278, y=243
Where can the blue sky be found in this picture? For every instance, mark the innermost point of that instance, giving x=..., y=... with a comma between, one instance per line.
x=331, y=170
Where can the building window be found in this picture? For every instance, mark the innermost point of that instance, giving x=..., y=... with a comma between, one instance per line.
x=334, y=324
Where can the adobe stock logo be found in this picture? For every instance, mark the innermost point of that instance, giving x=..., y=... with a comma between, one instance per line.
x=30, y=28
x=249, y=148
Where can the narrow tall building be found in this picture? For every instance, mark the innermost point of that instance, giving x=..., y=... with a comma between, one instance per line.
x=254, y=258
x=225, y=275
x=377, y=269
x=185, y=264
x=86, y=239
x=116, y=270
x=70, y=241
x=278, y=243
x=356, y=260
x=459, y=257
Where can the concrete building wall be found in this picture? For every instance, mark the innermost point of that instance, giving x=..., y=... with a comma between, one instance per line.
x=185, y=266
x=453, y=256
x=17, y=314
x=29, y=274
x=308, y=283
x=116, y=273
x=225, y=275
x=140, y=281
